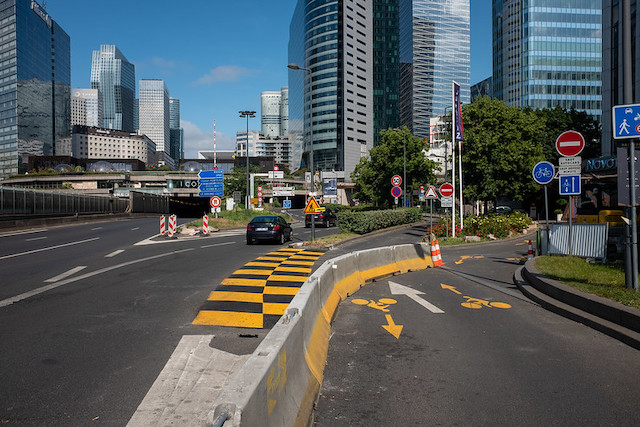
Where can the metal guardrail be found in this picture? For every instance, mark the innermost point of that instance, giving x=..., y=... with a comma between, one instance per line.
x=587, y=240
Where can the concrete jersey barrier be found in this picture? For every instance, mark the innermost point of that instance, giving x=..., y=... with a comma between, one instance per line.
x=280, y=381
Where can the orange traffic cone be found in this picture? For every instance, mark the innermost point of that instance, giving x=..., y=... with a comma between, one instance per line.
x=435, y=254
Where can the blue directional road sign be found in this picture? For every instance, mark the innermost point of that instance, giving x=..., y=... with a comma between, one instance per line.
x=211, y=183
x=543, y=172
x=570, y=185
x=626, y=121
x=286, y=204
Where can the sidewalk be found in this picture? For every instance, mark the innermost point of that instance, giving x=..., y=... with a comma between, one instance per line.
x=609, y=317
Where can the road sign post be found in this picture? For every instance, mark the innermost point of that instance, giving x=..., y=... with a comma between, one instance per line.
x=543, y=173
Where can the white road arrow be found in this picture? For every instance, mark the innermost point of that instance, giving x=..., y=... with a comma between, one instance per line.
x=398, y=289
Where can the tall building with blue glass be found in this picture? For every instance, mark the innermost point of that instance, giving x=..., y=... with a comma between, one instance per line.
x=434, y=52
x=331, y=98
x=35, y=83
x=115, y=76
x=548, y=53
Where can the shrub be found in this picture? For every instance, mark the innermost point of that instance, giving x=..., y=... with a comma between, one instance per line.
x=367, y=221
x=498, y=225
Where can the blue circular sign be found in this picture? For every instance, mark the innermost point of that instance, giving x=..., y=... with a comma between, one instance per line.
x=543, y=172
x=396, y=191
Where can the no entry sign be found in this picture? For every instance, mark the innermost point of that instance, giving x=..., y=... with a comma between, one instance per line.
x=446, y=190
x=570, y=143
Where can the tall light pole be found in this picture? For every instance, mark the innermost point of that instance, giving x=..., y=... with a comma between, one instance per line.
x=247, y=114
x=313, y=172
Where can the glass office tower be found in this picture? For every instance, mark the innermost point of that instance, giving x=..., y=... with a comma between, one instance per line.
x=434, y=52
x=548, y=53
x=176, y=133
x=115, y=76
x=35, y=83
x=333, y=98
x=153, y=101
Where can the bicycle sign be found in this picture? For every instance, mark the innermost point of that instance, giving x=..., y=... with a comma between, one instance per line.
x=543, y=172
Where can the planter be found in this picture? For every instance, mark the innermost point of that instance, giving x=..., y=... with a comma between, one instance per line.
x=559, y=217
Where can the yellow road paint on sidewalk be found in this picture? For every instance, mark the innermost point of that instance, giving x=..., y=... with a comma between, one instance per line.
x=235, y=296
x=229, y=318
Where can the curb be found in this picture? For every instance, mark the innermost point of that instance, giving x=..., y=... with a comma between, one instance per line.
x=609, y=317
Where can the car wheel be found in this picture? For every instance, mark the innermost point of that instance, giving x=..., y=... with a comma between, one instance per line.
x=282, y=238
x=291, y=236
x=249, y=242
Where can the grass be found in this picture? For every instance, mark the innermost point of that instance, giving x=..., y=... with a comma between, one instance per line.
x=605, y=280
x=330, y=240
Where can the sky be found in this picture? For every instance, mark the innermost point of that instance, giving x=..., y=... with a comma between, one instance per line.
x=216, y=56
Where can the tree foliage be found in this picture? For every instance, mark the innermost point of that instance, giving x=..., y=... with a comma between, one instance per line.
x=372, y=175
x=501, y=146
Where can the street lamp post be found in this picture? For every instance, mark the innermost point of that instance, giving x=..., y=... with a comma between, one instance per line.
x=247, y=114
x=313, y=172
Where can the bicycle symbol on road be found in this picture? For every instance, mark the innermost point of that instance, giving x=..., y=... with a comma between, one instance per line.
x=477, y=303
x=382, y=304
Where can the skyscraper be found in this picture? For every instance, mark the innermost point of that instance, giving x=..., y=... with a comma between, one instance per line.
x=35, y=77
x=86, y=107
x=434, y=51
x=548, y=53
x=274, y=113
x=176, y=133
x=333, y=98
x=115, y=77
x=154, y=116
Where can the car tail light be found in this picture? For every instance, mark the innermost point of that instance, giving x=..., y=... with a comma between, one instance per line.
x=249, y=227
x=276, y=227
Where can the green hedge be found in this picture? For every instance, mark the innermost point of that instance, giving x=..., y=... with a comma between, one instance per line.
x=368, y=221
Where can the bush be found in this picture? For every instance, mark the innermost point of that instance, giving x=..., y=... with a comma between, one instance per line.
x=364, y=222
x=498, y=225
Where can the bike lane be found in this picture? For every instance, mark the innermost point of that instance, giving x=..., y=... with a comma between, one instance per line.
x=458, y=345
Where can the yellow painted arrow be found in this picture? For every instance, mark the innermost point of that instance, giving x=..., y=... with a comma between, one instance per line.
x=392, y=328
x=450, y=288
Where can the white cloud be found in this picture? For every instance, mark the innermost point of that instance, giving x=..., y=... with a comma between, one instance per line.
x=223, y=73
x=196, y=140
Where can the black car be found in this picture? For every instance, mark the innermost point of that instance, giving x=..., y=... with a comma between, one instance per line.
x=268, y=227
x=325, y=219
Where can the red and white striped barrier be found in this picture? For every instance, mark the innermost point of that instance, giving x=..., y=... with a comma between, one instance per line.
x=530, y=251
x=162, y=225
x=436, y=257
x=172, y=225
x=205, y=225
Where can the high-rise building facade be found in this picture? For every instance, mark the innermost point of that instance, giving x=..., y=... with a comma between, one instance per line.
x=86, y=107
x=153, y=99
x=35, y=79
x=613, y=67
x=548, y=53
x=386, y=72
x=331, y=100
x=115, y=77
x=284, y=112
x=434, y=52
x=176, y=133
x=274, y=113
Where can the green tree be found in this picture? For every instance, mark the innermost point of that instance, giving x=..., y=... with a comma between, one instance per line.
x=558, y=120
x=501, y=146
x=237, y=180
x=372, y=175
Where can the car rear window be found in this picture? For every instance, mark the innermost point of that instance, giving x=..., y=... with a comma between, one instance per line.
x=264, y=219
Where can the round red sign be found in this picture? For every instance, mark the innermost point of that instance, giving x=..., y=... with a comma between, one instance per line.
x=446, y=190
x=570, y=143
x=215, y=202
x=396, y=180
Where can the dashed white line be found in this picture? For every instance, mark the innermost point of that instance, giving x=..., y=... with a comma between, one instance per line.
x=66, y=274
x=43, y=289
x=114, y=253
x=97, y=228
x=35, y=238
x=135, y=228
x=217, y=244
x=48, y=248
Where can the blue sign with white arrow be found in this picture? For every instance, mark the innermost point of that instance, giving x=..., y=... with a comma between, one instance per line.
x=570, y=185
x=211, y=183
x=626, y=121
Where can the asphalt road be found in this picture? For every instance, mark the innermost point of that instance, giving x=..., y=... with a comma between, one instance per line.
x=460, y=346
x=90, y=314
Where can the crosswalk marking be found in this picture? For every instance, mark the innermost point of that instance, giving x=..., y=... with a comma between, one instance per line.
x=256, y=295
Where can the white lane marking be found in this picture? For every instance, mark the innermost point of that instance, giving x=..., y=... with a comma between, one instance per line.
x=48, y=248
x=97, y=228
x=73, y=271
x=18, y=233
x=35, y=238
x=114, y=253
x=34, y=292
x=135, y=228
x=183, y=238
x=217, y=244
x=398, y=289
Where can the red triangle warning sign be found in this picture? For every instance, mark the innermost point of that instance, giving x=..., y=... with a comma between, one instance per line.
x=312, y=206
x=431, y=193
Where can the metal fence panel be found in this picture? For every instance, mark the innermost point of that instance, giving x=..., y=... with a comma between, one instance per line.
x=587, y=240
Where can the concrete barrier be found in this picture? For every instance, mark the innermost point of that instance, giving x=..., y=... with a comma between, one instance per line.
x=280, y=381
